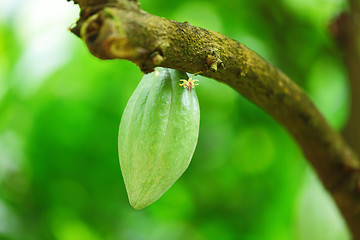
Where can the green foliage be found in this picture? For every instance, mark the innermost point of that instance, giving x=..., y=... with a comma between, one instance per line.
x=60, y=110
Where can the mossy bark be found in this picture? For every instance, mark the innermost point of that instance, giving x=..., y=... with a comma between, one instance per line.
x=120, y=29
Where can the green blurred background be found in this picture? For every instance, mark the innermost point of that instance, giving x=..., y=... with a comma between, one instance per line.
x=60, y=110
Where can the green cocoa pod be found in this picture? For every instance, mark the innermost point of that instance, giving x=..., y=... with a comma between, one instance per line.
x=158, y=134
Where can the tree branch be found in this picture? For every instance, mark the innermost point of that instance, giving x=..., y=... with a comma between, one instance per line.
x=346, y=30
x=120, y=29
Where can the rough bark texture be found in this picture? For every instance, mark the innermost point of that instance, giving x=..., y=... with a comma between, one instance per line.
x=122, y=30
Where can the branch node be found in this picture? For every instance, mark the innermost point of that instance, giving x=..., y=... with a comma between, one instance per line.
x=120, y=47
x=156, y=58
x=213, y=62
